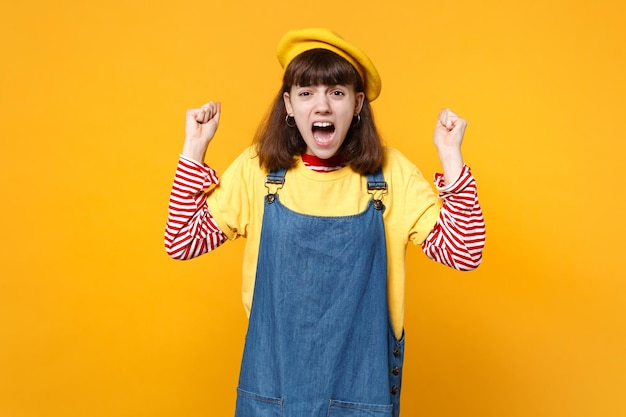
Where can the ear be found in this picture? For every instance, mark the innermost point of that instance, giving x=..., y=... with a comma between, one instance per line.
x=360, y=97
x=287, y=104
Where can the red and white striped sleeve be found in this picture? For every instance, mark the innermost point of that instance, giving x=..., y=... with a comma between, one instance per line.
x=458, y=238
x=191, y=230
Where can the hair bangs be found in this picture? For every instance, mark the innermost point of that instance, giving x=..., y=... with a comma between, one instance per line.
x=321, y=67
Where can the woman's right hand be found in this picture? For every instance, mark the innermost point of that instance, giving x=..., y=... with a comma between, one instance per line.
x=201, y=125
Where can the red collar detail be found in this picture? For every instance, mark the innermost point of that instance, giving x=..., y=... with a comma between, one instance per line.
x=313, y=160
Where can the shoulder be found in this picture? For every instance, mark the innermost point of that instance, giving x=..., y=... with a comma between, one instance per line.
x=249, y=156
x=396, y=164
x=405, y=180
x=393, y=155
x=246, y=162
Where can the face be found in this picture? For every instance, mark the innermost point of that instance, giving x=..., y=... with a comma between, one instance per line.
x=323, y=115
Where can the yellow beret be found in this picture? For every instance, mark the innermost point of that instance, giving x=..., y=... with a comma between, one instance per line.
x=294, y=42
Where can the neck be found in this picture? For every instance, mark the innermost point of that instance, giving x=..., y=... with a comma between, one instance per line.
x=322, y=165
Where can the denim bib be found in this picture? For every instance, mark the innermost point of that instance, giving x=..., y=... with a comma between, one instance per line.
x=319, y=339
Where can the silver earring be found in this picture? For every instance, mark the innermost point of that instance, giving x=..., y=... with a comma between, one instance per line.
x=287, y=121
x=358, y=120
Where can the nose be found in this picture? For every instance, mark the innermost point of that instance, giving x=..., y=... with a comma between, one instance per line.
x=322, y=104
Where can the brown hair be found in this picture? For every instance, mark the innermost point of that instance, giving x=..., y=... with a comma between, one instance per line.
x=278, y=144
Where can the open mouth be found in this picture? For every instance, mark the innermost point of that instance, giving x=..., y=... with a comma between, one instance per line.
x=323, y=133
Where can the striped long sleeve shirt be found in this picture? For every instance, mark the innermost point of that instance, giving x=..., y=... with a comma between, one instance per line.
x=456, y=240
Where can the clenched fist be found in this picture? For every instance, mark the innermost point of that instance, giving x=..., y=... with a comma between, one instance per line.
x=201, y=125
x=449, y=130
x=448, y=137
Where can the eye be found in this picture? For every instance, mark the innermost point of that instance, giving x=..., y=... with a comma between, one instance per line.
x=338, y=93
x=304, y=93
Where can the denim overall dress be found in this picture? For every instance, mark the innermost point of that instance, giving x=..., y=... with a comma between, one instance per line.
x=319, y=341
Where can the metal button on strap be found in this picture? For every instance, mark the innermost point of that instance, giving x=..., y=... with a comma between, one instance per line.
x=394, y=390
x=396, y=352
x=395, y=370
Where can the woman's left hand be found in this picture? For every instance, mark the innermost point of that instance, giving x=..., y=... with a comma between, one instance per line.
x=448, y=137
x=449, y=130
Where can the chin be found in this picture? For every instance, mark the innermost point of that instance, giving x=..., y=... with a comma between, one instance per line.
x=325, y=154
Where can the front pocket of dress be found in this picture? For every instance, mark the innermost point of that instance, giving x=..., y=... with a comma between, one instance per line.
x=349, y=409
x=250, y=404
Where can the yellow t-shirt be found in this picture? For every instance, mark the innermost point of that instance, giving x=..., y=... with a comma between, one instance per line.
x=412, y=209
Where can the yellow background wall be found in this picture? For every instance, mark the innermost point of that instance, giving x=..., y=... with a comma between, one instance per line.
x=95, y=319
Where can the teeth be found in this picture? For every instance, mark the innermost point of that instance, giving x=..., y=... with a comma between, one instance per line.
x=322, y=124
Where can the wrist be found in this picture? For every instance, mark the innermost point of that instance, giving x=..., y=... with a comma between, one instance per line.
x=451, y=163
x=194, y=151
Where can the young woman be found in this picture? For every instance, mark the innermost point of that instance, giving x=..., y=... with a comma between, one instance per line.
x=327, y=212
